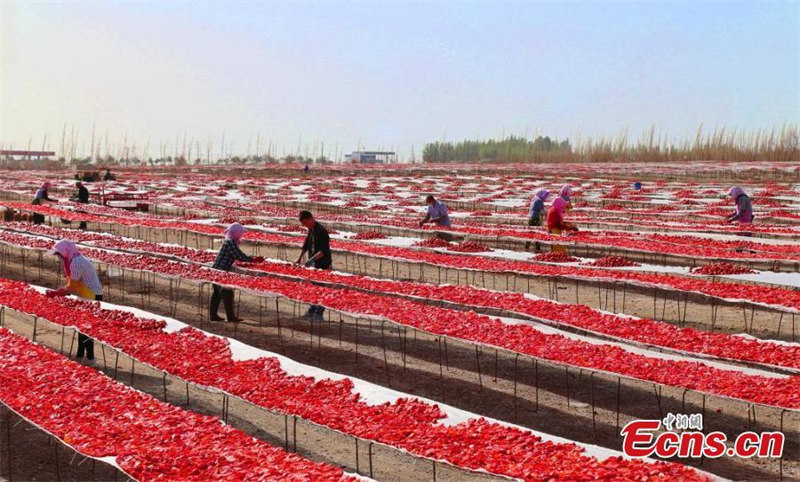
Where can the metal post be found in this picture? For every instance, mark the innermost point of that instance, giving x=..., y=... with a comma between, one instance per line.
x=478, y=364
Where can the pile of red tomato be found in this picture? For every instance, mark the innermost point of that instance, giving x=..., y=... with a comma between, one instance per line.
x=291, y=228
x=555, y=257
x=368, y=235
x=721, y=269
x=612, y=262
x=432, y=243
x=240, y=220
x=469, y=247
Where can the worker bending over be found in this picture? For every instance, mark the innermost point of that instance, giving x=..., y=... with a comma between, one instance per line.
x=537, y=211
x=82, y=281
x=744, y=209
x=437, y=213
x=566, y=195
x=42, y=194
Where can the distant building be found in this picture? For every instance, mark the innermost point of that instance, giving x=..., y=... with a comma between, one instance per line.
x=38, y=155
x=371, y=157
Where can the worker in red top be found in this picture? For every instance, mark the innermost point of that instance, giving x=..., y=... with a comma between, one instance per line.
x=556, y=223
x=555, y=217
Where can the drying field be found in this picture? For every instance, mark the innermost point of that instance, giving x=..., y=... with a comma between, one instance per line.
x=474, y=352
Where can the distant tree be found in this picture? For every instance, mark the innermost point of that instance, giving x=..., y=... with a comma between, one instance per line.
x=510, y=149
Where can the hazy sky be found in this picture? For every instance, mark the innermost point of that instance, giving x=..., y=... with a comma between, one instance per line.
x=391, y=74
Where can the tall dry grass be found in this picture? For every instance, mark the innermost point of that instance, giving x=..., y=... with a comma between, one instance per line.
x=779, y=144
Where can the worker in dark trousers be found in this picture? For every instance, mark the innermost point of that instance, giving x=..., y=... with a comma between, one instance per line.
x=42, y=195
x=82, y=196
x=318, y=247
x=228, y=254
x=82, y=281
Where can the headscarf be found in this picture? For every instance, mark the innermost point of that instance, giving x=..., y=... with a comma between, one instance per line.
x=735, y=192
x=42, y=191
x=68, y=252
x=542, y=194
x=566, y=190
x=235, y=232
x=560, y=205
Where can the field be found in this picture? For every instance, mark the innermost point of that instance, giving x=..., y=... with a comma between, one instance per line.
x=489, y=350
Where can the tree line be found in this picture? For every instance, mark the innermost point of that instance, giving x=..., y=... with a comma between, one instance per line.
x=510, y=149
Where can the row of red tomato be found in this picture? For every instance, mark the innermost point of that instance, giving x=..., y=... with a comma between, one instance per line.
x=149, y=439
x=726, y=290
x=664, y=244
x=740, y=244
x=651, y=243
x=647, y=331
x=684, y=224
x=644, y=242
x=767, y=295
x=410, y=424
x=784, y=213
x=483, y=329
x=640, y=330
x=103, y=240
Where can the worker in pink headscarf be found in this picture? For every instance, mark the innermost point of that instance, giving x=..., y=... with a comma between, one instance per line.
x=555, y=217
x=42, y=194
x=744, y=209
x=566, y=193
x=228, y=254
x=82, y=281
x=556, y=224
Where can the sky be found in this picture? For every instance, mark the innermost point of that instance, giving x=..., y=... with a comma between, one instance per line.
x=331, y=77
